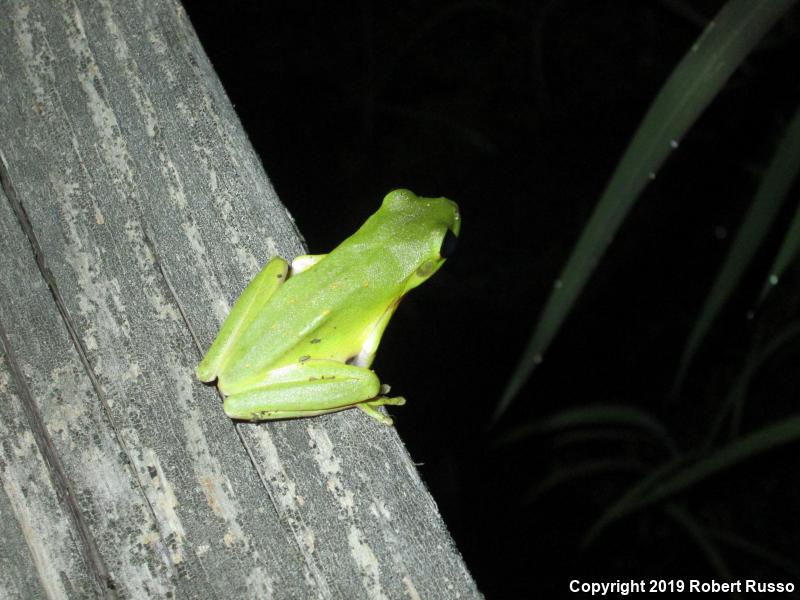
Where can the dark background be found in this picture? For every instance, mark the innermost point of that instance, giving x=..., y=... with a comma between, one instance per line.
x=520, y=111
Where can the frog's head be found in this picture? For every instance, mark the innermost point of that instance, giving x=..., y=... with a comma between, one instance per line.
x=424, y=233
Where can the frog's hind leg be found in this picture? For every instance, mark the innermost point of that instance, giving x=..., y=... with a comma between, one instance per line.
x=307, y=388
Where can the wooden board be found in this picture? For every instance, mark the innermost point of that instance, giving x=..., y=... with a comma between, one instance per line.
x=133, y=211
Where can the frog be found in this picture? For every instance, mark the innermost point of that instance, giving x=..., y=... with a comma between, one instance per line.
x=301, y=338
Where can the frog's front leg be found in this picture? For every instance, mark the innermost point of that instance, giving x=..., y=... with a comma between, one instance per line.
x=310, y=388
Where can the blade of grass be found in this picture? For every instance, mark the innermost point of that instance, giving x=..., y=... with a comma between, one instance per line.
x=593, y=416
x=791, y=243
x=738, y=393
x=582, y=470
x=733, y=405
x=690, y=88
x=630, y=499
x=757, y=550
x=603, y=437
x=755, y=227
x=669, y=480
x=699, y=536
x=786, y=255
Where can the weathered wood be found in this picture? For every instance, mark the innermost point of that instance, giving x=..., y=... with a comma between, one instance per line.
x=133, y=211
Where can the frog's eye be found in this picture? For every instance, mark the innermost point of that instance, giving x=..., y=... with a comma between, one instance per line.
x=449, y=244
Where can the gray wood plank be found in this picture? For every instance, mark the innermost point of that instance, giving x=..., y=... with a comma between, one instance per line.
x=38, y=556
x=135, y=212
x=34, y=365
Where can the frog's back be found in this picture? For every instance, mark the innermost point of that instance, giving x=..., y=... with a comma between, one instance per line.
x=325, y=312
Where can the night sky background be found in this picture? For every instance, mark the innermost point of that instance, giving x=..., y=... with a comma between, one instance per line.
x=519, y=111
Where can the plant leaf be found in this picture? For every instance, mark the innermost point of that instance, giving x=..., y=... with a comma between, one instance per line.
x=582, y=469
x=690, y=88
x=755, y=226
x=671, y=479
x=704, y=541
x=594, y=416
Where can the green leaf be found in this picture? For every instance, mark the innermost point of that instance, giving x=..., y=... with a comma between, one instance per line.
x=690, y=88
x=790, y=163
x=672, y=478
x=766, y=555
x=786, y=255
x=699, y=535
x=737, y=395
x=755, y=227
x=582, y=470
x=598, y=415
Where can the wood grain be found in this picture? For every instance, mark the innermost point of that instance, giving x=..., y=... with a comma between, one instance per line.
x=133, y=211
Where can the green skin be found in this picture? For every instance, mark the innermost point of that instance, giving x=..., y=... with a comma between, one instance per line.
x=300, y=342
